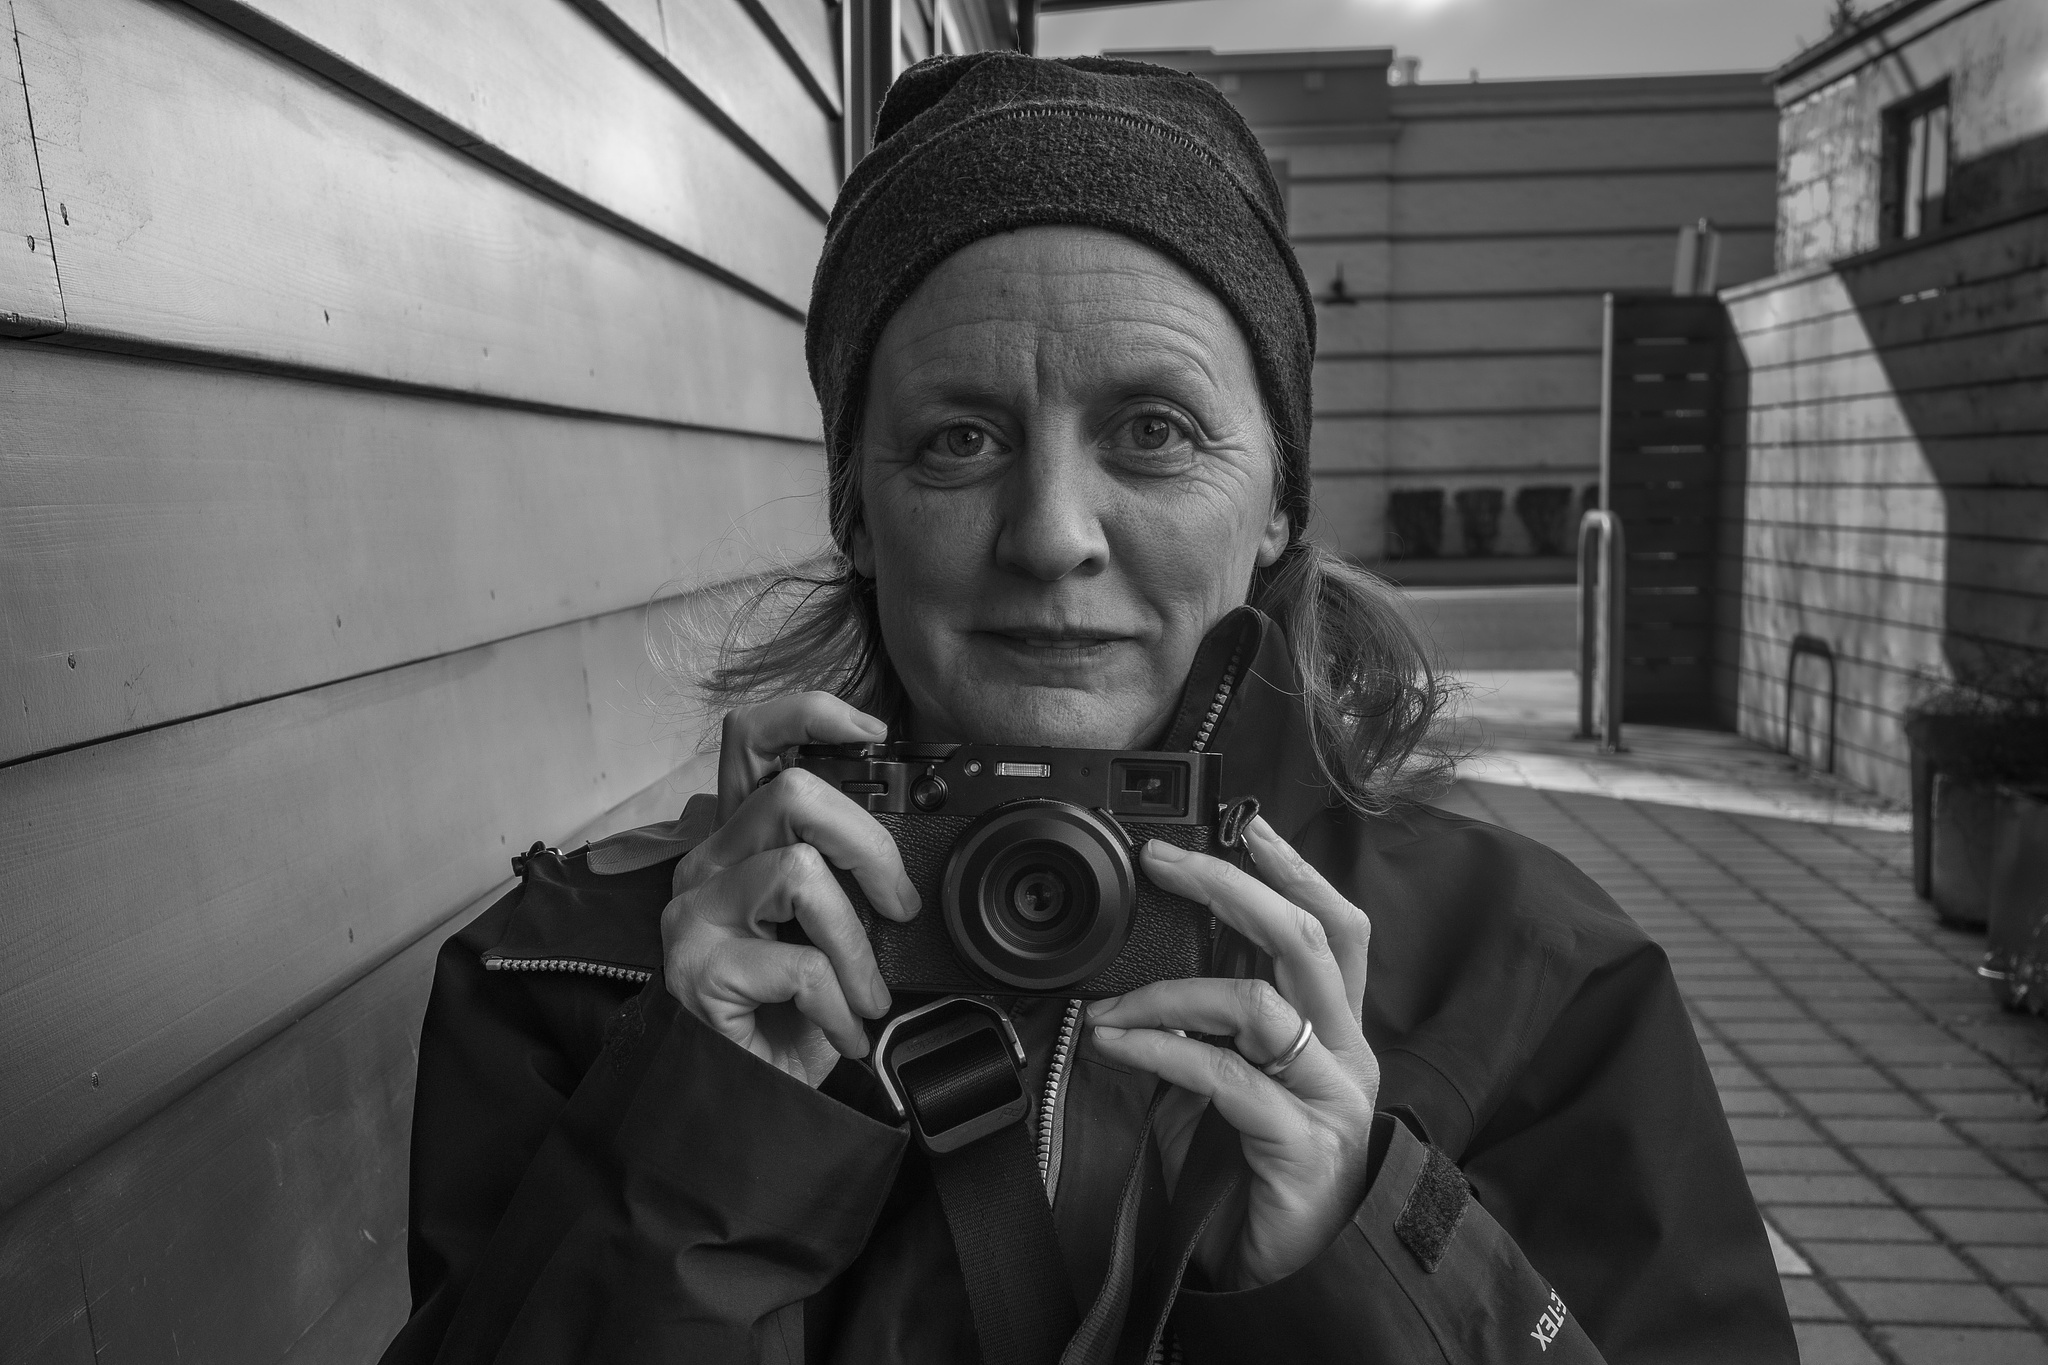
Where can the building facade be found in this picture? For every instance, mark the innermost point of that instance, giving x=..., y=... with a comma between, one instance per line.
x=366, y=370
x=1894, y=485
x=1459, y=236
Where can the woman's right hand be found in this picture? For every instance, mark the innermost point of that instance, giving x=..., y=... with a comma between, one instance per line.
x=770, y=859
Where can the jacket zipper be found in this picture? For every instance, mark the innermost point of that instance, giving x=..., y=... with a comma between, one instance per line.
x=1051, y=1114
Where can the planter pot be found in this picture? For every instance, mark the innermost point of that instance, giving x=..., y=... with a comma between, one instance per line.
x=1964, y=818
x=1953, y=754
x=2016, y=963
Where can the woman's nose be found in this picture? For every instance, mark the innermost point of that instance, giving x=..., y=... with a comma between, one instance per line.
x=1052, y=516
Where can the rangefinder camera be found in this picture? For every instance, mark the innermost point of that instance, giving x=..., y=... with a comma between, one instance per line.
x=1026, y=862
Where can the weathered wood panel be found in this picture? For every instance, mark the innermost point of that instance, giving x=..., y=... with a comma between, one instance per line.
x=1589, y=263
x=261, y=1216
x=1324, y=208
x=181, y=893
x=732, y=57
x=200, y=178
x=30, y=302
x=808, y=27
x=546, y=89
x=177, y=541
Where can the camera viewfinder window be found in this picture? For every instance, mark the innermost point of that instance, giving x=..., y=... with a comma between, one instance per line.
x=1150, y=789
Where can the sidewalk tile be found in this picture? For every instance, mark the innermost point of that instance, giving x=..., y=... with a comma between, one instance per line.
x=1778, y=1189
x=1964, y=1192
x=1766, y=1102
x=1873, y=1104
x=1828, y=1343
x=1893, y=1132
x=1777, y=1157
x=2013, y=1264
x=1771, y=1130
x=1809, y=1054
x=1827, y=1078
x=2022, y=1135
x=1950, y=1079
x=1772, y=1031
x=2015, y=1227
x=2009, y=1104
x=1965, y=1346
x=1926, y=1161
x=1847, y=1224
x=1962, y=1305
x=1809, y=1301
x=1887, y=1261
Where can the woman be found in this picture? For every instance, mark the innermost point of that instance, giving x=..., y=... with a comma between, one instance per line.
x=1063, y=350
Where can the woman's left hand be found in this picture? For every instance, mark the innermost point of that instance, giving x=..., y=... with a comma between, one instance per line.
x=1306, y=1131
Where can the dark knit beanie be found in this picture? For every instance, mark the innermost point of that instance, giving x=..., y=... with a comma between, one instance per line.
x=967, y=147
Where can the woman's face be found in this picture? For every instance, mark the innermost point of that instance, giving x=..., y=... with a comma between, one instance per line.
x=1066, y=478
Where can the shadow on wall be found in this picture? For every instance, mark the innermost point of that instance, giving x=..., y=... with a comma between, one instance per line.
x=1959, y=325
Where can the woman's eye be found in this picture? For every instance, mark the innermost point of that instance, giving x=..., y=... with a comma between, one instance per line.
x=1151, y=433
x=964, y=443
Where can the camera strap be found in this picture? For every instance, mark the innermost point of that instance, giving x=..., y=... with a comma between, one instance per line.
x=955, y=1070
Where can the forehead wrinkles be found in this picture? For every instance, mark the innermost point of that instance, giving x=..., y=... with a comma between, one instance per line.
x=1067, y=324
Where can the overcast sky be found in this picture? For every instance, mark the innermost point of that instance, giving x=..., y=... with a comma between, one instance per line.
x=1503, y=38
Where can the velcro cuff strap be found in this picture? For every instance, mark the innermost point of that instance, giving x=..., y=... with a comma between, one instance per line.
x=1435, y=1207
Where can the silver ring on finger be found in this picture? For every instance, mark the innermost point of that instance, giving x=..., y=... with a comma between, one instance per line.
x=1288, y=1058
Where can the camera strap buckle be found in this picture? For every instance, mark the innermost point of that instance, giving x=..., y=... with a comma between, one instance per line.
x=955, y=1070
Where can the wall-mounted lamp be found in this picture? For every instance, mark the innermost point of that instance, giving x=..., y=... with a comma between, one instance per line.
x=1338, y=292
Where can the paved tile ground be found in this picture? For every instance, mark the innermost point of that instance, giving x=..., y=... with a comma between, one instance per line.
x=1889, y=1115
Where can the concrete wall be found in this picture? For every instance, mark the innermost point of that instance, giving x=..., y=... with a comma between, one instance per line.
x=1994, y=59
x=369, y=368
x=1477, y=226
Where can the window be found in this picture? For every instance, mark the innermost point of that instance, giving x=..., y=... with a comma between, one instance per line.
x=1916, y=155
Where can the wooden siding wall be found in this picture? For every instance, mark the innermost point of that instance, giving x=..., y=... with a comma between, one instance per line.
x=370, y=368
x=1895, y=489
x=1478, y=234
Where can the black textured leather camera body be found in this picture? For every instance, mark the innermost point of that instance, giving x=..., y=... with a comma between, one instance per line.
x=1026, y=860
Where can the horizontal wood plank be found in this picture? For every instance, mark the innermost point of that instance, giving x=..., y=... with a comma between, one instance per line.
x=1592, y=203
x=538, y=84
x=177, y=541
x=1460, y=326
x=262, y=1215
x=179, y=894
x=1989, y=361
x=30, y=302
x=205, y=181
x=1471, y=382
x=1992, y=408
x=1964, y=309
x=1418, y=445
x=810, y=29
x=1962, y=460
x=1658, y=140
x=725, y=53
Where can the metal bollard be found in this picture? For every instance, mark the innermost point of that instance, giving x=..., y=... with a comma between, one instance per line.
x=1603, y=591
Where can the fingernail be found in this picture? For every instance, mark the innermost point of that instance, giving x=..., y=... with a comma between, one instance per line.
x=879, y=729
x=1108, y=1031
x=906, y=893
x=1165, y=852
x=1259, y=827
x=1098, y=1008
x=878, y=992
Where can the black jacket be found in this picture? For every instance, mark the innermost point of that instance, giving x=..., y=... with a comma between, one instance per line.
x=597, y=1177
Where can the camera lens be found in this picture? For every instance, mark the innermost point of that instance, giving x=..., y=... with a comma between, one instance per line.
x=1038, y=894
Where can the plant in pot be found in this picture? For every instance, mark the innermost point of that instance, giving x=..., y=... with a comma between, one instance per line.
x=1974, y=741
